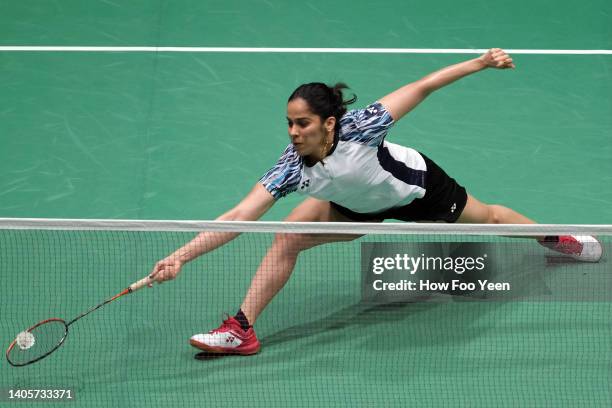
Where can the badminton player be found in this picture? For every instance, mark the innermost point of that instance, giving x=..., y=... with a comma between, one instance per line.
x=342, y=161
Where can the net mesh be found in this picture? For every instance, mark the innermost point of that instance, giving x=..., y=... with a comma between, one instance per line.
x=329, y=337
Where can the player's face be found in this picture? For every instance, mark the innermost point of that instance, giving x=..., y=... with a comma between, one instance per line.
x=306, y=130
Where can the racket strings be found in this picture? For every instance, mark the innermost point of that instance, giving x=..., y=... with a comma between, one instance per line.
x=47, y=337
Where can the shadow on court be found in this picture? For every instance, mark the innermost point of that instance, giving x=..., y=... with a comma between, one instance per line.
x=407, y=317
x=437, y=319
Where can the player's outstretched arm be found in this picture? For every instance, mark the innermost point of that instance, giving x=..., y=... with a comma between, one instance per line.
x=406, y=98
x=251, y=208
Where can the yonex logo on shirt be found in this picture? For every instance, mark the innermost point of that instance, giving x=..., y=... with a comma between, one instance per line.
x=453, y=207
x=305, y=184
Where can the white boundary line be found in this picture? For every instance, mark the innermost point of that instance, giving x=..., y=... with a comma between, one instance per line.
x=300, y=227
x=293, y=50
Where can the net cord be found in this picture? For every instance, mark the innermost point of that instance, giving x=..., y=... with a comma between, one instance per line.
x=302, y=227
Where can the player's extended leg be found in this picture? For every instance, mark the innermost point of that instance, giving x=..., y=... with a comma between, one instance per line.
x=581, y=247
x=476, y=212
x=236, y=334
x=277, y=265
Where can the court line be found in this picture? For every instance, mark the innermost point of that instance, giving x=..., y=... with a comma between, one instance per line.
x=293, y=50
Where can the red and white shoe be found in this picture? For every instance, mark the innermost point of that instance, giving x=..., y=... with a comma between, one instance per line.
x=229, y=338
x=583, y=248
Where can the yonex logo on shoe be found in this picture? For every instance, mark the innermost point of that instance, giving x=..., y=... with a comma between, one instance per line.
x=230, y=339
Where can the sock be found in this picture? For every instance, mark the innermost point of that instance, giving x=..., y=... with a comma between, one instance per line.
x=242, y=319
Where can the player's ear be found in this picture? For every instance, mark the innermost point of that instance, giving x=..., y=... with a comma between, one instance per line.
x=330, y=124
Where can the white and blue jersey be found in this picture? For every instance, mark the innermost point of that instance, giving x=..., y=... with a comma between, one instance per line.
x=362, y=172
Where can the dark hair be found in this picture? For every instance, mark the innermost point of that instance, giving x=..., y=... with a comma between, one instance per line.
x=324, y=101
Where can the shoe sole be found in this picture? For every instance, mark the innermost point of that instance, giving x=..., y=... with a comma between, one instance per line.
x=220, y=350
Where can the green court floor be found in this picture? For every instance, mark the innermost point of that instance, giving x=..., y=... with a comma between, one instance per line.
x=141, y=135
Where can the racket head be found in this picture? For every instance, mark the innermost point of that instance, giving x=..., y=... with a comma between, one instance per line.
x=48, y=334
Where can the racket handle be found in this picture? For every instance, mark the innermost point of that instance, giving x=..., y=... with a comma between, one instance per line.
x=140, y=284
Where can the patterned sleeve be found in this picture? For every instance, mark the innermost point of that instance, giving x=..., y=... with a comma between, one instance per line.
x=284, y=177
x=367, y=126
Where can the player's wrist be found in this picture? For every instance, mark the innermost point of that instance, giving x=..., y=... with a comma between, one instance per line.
x=481, y=63
x=179, y=257
x=182, y=257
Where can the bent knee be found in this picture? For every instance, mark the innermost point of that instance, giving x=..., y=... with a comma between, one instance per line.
x=292, y=242
x=496, y=213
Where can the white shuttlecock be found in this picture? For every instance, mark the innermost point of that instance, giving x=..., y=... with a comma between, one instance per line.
x=25, y=340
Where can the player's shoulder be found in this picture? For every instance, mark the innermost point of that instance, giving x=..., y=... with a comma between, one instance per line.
x=355, y=122
x=290, y=161
x=290, y=155
x=372, y=110
x=284, y=177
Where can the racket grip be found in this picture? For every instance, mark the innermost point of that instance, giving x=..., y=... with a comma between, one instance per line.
x=140, y=284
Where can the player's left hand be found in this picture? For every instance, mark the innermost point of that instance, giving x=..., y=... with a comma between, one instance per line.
x=497, y=58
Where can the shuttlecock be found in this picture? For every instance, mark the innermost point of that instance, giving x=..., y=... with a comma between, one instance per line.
x=25, y=340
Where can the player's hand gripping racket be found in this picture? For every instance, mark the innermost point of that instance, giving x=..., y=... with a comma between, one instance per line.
x=45, y=337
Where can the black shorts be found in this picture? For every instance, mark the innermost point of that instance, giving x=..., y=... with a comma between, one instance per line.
x=444, y=200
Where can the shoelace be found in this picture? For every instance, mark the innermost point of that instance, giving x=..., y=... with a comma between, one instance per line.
x=226, y=317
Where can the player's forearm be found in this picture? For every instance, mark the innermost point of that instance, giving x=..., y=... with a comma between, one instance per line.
x=204, y=242
x=208, y=241
x=450, y=74
x=251, y=208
